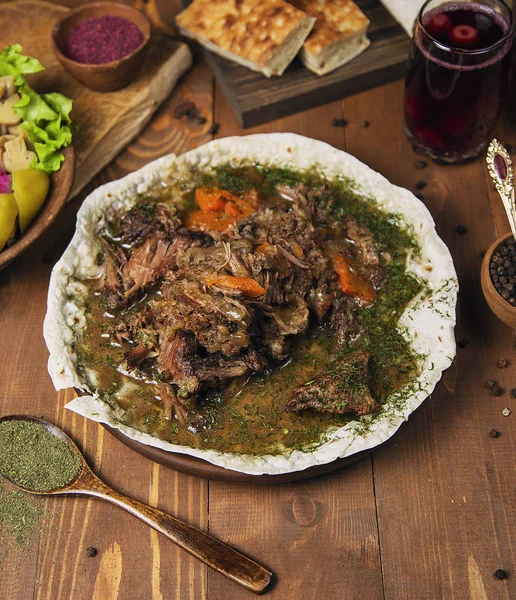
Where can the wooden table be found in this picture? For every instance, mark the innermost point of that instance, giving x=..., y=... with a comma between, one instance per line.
x=429, y=515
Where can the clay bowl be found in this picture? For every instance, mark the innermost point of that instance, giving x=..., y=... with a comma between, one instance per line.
x=111, y=76
x=60, y=187
x=501, y=308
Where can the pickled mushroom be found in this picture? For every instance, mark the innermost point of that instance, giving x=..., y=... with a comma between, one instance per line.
x=16, y=156
x=7, y=114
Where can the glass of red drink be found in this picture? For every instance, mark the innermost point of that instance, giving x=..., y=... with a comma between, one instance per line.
x=457, y=77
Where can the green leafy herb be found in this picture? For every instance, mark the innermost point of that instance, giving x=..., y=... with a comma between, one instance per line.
x=46, y=119
x=32, y=457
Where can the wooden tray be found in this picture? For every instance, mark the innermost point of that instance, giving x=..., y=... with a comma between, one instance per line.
x=107, y=122
x=201, y=468
x=256, y=99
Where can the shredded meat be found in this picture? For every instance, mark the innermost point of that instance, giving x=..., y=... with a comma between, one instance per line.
x=341, y=390
x=136, y=356
x=366, y=252
x=199, y=309
x=216, y=368
x=177, y=351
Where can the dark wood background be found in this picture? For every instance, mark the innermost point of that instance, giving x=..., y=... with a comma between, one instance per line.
x=429, y=515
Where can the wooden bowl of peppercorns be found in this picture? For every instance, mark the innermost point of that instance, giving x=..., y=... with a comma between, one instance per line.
x=498, y=279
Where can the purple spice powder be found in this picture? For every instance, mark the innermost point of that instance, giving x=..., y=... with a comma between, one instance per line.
x=103, y=39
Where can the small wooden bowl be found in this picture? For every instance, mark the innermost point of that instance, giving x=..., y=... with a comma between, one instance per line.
x=60, y=187
x=501, y=308
x=106, y=77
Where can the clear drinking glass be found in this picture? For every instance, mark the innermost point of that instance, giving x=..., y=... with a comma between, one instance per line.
x=457, y=77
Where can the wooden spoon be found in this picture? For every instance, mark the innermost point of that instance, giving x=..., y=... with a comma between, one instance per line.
x=203, y=546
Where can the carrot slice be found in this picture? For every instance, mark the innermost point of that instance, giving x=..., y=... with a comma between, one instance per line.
x=209, y=200
x=209, y=220
x=263, y=248
x=219, y=209
x=248, y=286
x=351, y=281
x=232, y=209
x=297, y=251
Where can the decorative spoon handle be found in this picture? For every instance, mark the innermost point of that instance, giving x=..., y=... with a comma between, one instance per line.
x=203, y=546
x=499, y=165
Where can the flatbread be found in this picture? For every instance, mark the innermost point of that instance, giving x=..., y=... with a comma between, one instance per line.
x=428, y=322
x=405, y=12
x=338, y=36
x=263, y=36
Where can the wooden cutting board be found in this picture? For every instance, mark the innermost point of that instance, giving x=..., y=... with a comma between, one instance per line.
x=256, y=99
x=107, y=122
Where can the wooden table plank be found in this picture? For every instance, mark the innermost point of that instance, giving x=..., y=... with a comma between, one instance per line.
x=445, y=526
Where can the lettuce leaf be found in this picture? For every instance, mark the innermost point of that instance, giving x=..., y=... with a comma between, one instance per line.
x=46, y=119
x=12, y=62
x=60, y=104
x=32, y=107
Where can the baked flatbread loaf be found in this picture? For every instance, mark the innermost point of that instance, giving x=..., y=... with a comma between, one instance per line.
x=338, y=36
x=263, y=35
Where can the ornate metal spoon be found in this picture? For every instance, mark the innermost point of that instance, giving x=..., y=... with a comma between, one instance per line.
x=499, y=165
x=203, y=546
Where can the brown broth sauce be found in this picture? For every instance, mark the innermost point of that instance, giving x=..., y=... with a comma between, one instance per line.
x=249, y=415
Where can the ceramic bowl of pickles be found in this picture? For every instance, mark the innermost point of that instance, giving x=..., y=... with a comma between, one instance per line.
x=37, y=160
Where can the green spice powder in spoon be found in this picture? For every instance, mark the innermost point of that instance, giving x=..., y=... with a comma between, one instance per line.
x=33, y=458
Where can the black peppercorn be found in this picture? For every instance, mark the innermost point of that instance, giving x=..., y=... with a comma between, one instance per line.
x=462, y=343
x=500, y=574
x=365, y=124
x=214, y=129
x=461, y=229
x=493, y=433
x=513, y=392
x=339, y=122
x=421, y=164
x=91, y=552
x=497, y=391
x=421, y=185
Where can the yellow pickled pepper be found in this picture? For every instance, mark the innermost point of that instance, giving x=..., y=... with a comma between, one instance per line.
x=8, y=214
x=30, y=188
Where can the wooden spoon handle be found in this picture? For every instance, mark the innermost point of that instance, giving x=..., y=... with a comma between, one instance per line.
x=203, y=546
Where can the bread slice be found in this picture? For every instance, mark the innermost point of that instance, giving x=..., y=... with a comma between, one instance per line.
x=339, y=34
x=262, y=35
